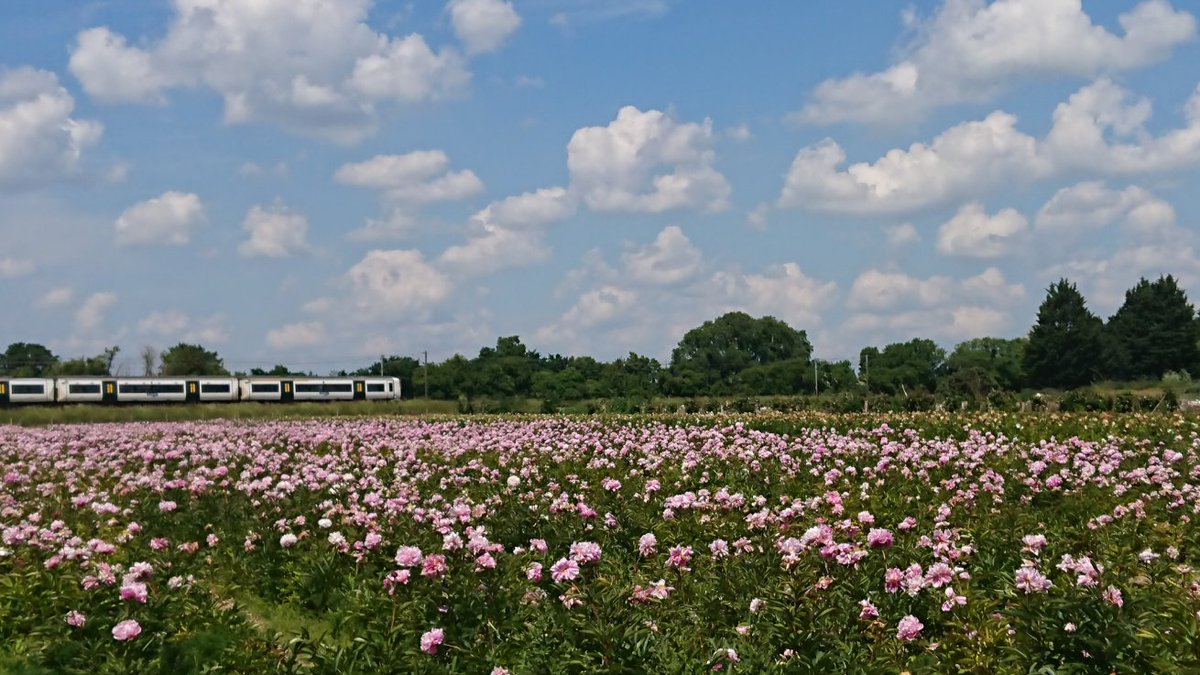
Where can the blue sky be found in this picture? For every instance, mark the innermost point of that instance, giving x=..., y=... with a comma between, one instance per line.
x=316, y=182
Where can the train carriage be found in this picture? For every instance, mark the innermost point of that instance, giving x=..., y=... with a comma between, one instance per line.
x=26, y=390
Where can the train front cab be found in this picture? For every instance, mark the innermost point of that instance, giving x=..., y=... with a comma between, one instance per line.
x=3, y=393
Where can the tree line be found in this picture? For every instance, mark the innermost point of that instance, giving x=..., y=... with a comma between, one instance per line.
x=1155, y=333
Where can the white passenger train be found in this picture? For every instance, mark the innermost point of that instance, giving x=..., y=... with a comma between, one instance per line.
x=115, y=390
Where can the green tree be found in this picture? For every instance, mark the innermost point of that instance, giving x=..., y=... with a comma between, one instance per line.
x=634, y=377
x=1154, y=331
x=902, y=367
x=983, y=364
x=99, y=365
x=1066, y=344
x=27, y=359
x=279, y=370
x=186, y=359
x=709, y=357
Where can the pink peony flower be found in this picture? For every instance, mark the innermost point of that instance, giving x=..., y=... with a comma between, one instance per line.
x=880, y=538
x=680, y=557
x=869, y=610
x=646, y=544
x=434, y=565
x=76, y=619
x=534, y=572
x=431, y=639
x=135, y=591
x=126, y=630
x=408, y=556
x=909, y=628
x=1030, y=580
x=288, y=540
x=585, y=552
x=564, y=570
x=1112, y=595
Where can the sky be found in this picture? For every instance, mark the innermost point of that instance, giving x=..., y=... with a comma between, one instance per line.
x=318, y=182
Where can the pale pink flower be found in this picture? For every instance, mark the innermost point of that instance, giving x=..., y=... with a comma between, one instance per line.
x=1030, y=580
x=756, y=605
x=126, y=630
x=880, y=538
x=408, y=556
x=869, y=610
x=288, y=540
x=909, y=628
x=1112, y=595
x=431, y=639
x=434, y=565
x=534, y=572
x=646, y=544
x=719, y=548
x=564, y=570
x=585, y=552
x=680, y=557
x=76, y=619
x=939, y=574
x=135, y=591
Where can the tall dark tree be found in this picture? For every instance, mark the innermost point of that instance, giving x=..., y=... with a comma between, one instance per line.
x=186, y=359
x=27, y=359
x=710, y=356
x=1154, y=331
x=1066, y=345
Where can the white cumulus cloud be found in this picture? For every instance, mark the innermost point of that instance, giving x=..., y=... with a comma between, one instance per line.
x=11, y=268
x=646, y=162
x=275, y=232
x=483, y=25
x=971, y=50
x=670, y=258
x=40, y=142
x=295, y=335
x=1100, y=129
x=168, y=219
x=405, y=183
x=973, y=233
x=314, y=67
x=177, y=326
x=395, y=284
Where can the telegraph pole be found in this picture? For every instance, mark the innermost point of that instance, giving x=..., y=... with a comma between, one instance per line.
x=426, y=355
x=381, y=365
x=816, y=382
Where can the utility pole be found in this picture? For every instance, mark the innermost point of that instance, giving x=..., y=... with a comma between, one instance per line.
x=381, y=365
x=867, y=381
x=816, y=382
x=426, y=355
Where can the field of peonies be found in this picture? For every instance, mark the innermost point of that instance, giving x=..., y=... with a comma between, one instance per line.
x=551, y=545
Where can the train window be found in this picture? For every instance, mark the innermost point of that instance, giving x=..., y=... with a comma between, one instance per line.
x=259, y=388
x=151, y=388
x=322, y=388
x=222, y=388
x=83, y=388
x=28, y=389
x=375, y=387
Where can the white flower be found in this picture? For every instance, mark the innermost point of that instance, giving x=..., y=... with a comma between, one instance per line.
x=288, y=540
x=514, y=481
x=324, y=523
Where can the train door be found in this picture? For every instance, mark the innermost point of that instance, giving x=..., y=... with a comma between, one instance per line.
x=193, y=391
x=109, y=388
x=3, y=393
x=286, y=393
x=360, y=390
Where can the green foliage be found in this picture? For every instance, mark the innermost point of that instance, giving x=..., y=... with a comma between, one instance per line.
x=710, y=357
x=23, y=359
x=903, y=367
x=99, y=365
x=186, y=359
x=1066, y=345
x=1154, y=331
